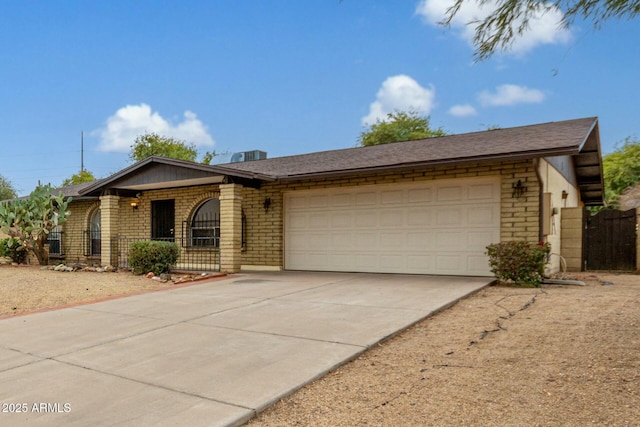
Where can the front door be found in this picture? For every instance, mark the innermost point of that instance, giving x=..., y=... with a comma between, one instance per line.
x=163, y=220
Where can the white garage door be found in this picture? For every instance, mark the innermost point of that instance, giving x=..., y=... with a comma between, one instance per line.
x=434, y=227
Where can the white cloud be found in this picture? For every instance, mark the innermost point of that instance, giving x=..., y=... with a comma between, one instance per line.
x=509, y=94
x=544, y=28
x=128, y=122
x=400, y=92
x=464, y=110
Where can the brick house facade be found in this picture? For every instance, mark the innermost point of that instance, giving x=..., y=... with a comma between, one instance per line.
x=538, y=171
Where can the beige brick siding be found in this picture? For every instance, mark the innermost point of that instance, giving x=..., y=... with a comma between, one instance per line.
x=571, y=237
x=264, y=227
x=519, y=217
x=73, y=232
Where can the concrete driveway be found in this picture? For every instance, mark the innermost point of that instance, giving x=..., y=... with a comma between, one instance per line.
x=210, y=354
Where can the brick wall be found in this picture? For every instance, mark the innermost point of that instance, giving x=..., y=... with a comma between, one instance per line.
x=265, y=226
x=519, y=217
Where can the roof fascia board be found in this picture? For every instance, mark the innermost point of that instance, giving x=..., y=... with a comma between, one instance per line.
x=467, y=160
x=172, y=162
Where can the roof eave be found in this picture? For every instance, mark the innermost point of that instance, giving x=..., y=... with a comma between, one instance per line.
x=433, y=163
x=214, y=169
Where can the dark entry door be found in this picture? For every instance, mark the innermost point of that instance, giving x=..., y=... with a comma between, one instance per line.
x=610, y=240
x=163, y=220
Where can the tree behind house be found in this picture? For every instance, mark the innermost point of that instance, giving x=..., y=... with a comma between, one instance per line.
x=78, y=178
x=6, y=189
x=399, y=126
x=152, y=144
x=30, y=220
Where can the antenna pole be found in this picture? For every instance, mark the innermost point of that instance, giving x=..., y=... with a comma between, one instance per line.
x=81, y=151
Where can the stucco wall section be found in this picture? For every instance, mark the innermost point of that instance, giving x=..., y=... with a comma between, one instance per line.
x=554, y=183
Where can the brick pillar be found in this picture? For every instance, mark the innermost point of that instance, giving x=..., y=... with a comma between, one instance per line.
x=108, y=229
x=230, y=228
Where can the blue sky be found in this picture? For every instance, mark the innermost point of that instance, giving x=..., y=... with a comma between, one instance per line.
x=283, y=77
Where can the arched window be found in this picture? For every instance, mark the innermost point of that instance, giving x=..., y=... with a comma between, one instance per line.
x=205, y=224
x=95, y=241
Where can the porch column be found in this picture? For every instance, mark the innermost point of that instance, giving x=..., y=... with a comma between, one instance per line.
x=108, y=229
x=230, y=228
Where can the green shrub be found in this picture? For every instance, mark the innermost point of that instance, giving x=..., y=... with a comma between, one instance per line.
x=521, y=263
x=157, y=257
x=11, y=248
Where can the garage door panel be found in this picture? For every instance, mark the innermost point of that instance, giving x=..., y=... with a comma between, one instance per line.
x=391, y=263
x=421, y=263
x=393, y=241
x=391, y=217
x=317, y=221
x=450, y=263
x=419, y=217
x=450, y=216
x=366, y=262
x=477, y=265
x=344, y=241
x=451, y=193
x=478, y=192
x=392, y=197
x=477, y=241
x=366, y=241
x=451, y=240
x=341, y=219
x=420, y=195
x=367, y=219
x=366, y=198
x=482, y=215
x=341, y=200
x=435, y=227
x=421, y=241
x=318, y=201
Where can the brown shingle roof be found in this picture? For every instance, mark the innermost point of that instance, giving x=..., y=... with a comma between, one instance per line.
x=547, y=139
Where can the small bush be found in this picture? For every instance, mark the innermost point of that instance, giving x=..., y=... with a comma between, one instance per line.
x=155, y=256
x=521, y=263
x=11, y=248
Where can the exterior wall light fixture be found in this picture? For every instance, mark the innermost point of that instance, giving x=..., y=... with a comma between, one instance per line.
x=518, y=190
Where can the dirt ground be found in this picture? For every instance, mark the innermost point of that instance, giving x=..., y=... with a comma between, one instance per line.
x=554, y=356
x=28, y=288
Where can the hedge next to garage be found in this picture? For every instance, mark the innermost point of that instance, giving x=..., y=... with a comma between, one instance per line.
x=520, y=262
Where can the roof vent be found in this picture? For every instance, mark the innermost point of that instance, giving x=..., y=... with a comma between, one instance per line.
x=248, y=156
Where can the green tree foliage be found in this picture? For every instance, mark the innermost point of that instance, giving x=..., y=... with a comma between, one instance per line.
x=31, y=220
x=78, y=178
x=511, y=18
x=621, y=169
x=152, y=144
x=399, y=126
x=6, y=189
